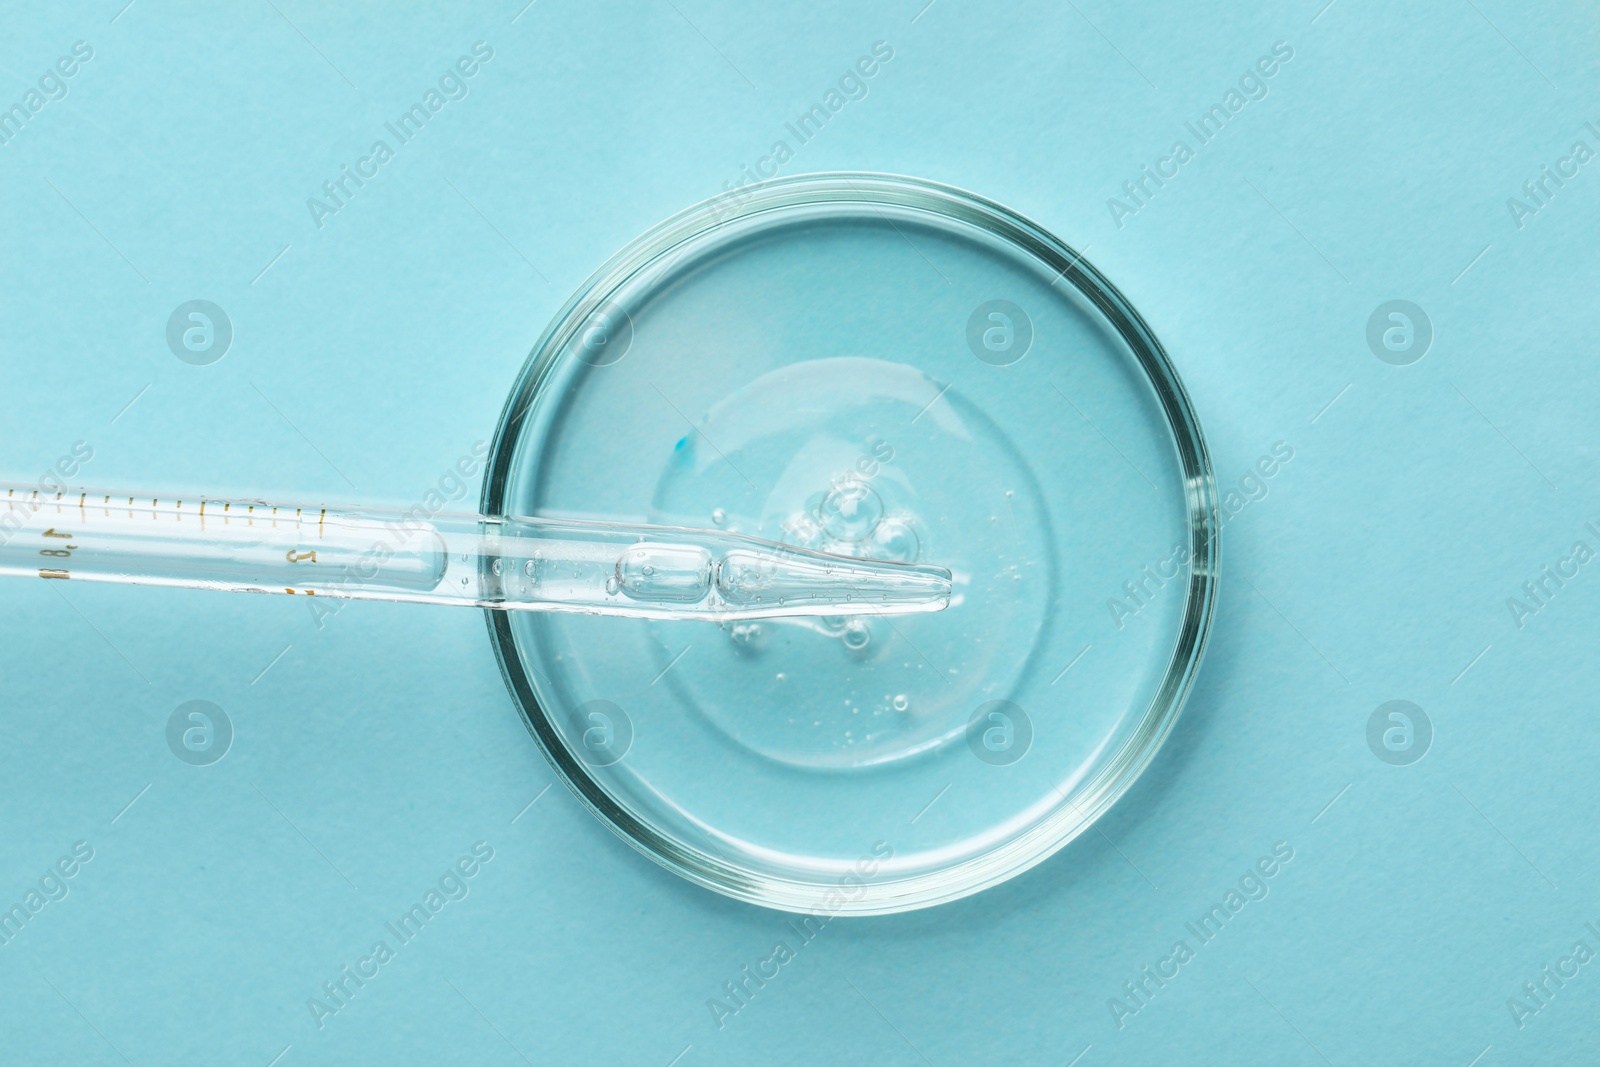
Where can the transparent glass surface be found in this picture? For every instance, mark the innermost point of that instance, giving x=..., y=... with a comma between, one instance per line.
x=893, y=370
x=487, y=561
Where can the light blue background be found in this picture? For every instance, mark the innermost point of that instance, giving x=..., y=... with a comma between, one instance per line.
x=374, y=351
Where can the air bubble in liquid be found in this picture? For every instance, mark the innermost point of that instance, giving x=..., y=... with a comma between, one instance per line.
x=665, y=573
x=901, y=702
x=857, y=635
x=851, y=511
x=613, y=583
x=895, y=540
x=719, y=516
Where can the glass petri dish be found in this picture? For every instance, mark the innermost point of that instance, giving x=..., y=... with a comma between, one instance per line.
x=886, y=367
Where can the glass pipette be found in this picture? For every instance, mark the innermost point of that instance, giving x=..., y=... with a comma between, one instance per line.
x=505, y=562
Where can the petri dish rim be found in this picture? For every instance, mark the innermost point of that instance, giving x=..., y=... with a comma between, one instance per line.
x=1114, y=776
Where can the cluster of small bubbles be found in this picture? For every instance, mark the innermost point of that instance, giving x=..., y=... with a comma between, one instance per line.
x=746, y=634
x=851, y=511
x=851, y=521
x=857, y=635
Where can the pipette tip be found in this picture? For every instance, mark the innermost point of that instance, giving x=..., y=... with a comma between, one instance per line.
x=817, y=583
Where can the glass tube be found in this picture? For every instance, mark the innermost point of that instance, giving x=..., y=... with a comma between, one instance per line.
x=510, y=563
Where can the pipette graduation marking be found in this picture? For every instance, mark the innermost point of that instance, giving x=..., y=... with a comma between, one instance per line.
x=510, y=563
